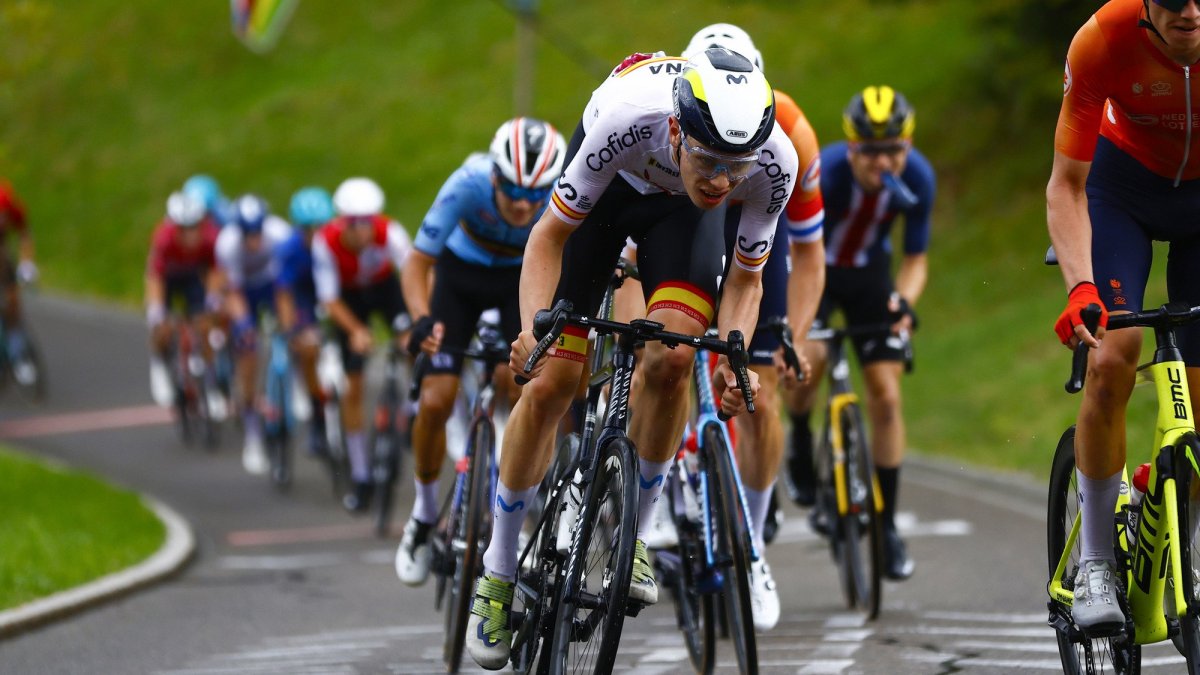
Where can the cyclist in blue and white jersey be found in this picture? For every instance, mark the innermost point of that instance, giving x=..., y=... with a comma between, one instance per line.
x=869, y=181
x=474, y=238
x=296, y=297
x=660, y=150
x=245, y=258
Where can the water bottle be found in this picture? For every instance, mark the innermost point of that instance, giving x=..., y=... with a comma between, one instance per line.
x=1137, y=490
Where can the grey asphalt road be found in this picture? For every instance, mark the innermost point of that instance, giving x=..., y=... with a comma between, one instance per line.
x=287, y=583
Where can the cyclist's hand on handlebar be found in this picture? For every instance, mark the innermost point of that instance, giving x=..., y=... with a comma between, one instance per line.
x=1070, y=328
x=904, y=317
x=426, y=336
x=786, y=374
x=522, y=347
x=725, y=389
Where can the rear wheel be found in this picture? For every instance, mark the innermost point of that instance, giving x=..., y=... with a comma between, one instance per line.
x=860, y=529
x=335, y=457
x=540, y=568
x=680, y=571
x=278, y=436
x=466, y=543
x=385, y=464
x=732, y=543
x=595, y=590
x=1077, y=653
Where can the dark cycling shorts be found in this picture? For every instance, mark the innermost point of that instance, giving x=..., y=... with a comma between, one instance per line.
x=382, y=297
x=184, y=293
x=774, y=281
x=679, y=249
x=461, y=293
x=259, y=299
x=1130, y=207
x=862, y=294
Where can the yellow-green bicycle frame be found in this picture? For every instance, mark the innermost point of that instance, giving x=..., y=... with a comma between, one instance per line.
x=1155, y=557
x=837, y=442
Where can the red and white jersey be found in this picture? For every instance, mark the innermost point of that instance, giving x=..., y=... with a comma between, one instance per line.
x=12, y=212
x=627, y=129
x=169, y=258
x=252, y=269
x=335, y=267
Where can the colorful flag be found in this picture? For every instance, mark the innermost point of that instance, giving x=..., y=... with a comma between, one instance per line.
x=258, y=23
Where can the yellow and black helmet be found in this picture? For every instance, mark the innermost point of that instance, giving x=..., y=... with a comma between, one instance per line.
x=878, y=113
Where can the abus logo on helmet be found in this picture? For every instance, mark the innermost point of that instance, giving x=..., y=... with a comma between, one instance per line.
x=617, y=142
x=736, y=133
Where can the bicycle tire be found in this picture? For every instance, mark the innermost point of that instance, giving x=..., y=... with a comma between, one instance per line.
x=861, y=527
x=694, y=611
x=385, y=459
x=1077, y=654
x=470, y=527
x=582, y=616
x=542, y=576
x=277, y=436
x=33, y=390
x=1188, y=639
x=336, y=459
x=733, y=546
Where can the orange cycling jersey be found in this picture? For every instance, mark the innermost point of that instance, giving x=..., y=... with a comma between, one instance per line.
x=1120, y=85
x=805, y=209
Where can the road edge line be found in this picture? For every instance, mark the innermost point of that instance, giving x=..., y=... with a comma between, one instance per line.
x=170, y=558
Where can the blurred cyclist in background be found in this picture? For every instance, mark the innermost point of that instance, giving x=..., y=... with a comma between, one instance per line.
x=868, y=181
x=356, y=261
x=474, y=236
x=181, y=283
x=12, y=219
x=205, y=188
x=296, y=297
x=246, y=259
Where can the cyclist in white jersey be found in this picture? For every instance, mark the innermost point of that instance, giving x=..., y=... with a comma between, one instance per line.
x=684, y=137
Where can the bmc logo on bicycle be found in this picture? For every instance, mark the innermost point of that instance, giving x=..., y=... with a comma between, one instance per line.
x=1175, y=377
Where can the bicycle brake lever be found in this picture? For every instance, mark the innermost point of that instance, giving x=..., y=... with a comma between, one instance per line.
x=548, y=325
x=1091, y=319
x=738, y=360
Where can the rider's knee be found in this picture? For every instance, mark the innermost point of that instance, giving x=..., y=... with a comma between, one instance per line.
x=551, y=393
x=1111, y=375
x=436, y=405
x=667, y=368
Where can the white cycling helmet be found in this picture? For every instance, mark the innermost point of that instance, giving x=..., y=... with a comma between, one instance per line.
x=184, y=209
x=723, y=101
x=528, y=152
x=358, y=197
x=724, y=35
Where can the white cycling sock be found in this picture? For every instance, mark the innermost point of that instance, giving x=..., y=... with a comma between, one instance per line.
x=758, y=502
x=651, y=477
x=508, y=514
x=425, y=507
x=1097, y=503
x=356, y=450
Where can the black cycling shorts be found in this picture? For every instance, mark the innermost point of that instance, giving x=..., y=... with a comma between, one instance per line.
x=1131, y=207
x=382, y=297
x=461, y=293
x=184, y=292
x=774, y=283
x=862, y=294
x=679, y=249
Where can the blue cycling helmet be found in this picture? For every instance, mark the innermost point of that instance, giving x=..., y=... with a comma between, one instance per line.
x=249, y=213
x=205, y=189
x=311, y=207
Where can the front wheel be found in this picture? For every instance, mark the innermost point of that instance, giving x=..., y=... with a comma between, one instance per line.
x=385, y=465
x=683, y=571
x=595, y=588
x=465, y=545
x=860, y=529
x=732, y=544
x=1188, y=499
x=1077, y=653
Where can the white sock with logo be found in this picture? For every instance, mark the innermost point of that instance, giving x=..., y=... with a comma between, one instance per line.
x=758, y=502
x=1097, y=502
x=508, y=514
x=652, y=476
x=425, y=506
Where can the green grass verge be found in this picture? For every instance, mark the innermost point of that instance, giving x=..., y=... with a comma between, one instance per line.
x=60, y=528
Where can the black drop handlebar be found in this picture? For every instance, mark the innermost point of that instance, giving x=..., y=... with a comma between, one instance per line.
x=548, y=325
x=1170, y=315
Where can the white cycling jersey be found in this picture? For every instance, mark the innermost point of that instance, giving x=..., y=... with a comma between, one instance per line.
x=251, y=269
x=627, y=133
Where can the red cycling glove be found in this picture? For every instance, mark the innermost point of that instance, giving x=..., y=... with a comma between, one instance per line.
x=1085, y=293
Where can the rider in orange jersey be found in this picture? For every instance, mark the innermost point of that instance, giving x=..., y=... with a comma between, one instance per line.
x=1126, y=173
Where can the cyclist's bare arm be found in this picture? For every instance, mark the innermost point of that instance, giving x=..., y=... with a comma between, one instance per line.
x=911, y=277
x=360, y=335
x=26, y=250
x=415, y=281
x=155, y=293
x=740, y=297
x=285, y=308
x=1070, y=226
x=540, y=272
x=806, y=283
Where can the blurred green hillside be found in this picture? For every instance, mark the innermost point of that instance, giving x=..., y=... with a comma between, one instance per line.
x=106, y=106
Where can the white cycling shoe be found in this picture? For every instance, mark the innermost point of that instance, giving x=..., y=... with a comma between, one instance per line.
x=254, y=454
x=161, y=388
x=661, y=533
x=414, y=553
x=764, y=597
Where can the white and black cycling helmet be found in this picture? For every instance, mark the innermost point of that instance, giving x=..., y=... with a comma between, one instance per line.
x=528, y=152
x=357, y=197
x=723, y=101
x=724, y=35
x=184, y=209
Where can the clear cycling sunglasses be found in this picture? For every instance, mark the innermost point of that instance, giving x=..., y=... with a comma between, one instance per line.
x=710, y=164
x=1172, y=5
